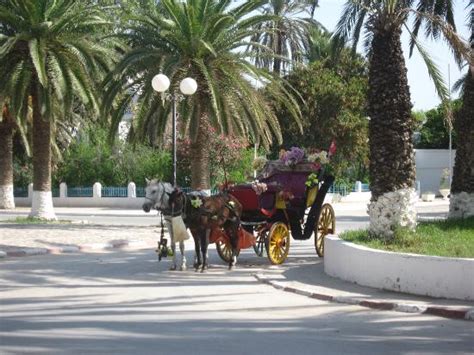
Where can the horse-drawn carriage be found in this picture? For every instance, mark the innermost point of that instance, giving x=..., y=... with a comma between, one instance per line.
x=286, y=198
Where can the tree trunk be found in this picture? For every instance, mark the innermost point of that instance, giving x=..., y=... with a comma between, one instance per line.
x=7, y=200
x=462, y=188
x=278, y=51
x=42, y=202
x=200, y=174
x=392, y=168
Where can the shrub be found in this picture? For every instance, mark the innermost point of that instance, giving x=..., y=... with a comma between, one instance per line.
x=92, y=159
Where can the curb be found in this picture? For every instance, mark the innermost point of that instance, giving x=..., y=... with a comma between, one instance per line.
x=463, y=313
x=119, y=244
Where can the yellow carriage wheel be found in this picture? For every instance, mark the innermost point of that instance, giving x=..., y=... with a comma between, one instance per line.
x=224, y=249
x=326, y=225
x=278, y=243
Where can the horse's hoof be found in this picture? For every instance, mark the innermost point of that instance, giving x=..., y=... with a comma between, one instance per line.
x=197, y=265
x=173, y=268
x=203, y=270
x=183, y=268
x=230, y=267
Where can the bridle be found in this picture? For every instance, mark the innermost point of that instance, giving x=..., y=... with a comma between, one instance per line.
x=154, y=201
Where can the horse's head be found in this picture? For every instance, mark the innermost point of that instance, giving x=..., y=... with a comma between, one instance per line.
x=156, y=195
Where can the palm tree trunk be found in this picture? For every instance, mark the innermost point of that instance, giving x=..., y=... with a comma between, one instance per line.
x=278, y=51
x=7, y=200
x=392, y=168
x=42, y=202
x=462, y=188
x=200, y=174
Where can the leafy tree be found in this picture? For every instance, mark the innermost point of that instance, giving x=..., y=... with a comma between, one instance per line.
x=229, y=158
x=56, y=55
x=111, y=166
x=333, y=105
x=199, y=39
x=392, y=170
x=434, y=132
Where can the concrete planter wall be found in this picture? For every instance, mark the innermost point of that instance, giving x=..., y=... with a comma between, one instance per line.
x=411, y=273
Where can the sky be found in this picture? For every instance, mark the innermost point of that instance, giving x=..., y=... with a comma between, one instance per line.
x=422, y=90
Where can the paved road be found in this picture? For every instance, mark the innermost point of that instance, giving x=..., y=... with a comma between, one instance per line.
x=105, y=216
x=128, y=303
x=349, y=215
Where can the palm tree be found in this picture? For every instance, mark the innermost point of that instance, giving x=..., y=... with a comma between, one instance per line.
x=200, y=39
x=284, y=38
x=462, y=188
x=392, y=170
x=56, y=56
x=320, y=45
x=7, y=129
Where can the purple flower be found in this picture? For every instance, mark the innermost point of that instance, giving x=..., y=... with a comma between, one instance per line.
x=292, y=157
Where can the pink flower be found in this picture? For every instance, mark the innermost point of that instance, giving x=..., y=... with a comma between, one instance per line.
x=332, y=148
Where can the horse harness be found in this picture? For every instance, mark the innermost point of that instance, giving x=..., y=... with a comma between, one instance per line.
x=163, y=250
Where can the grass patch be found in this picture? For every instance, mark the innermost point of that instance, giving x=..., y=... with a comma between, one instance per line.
x=32, y=220
x=452, y=238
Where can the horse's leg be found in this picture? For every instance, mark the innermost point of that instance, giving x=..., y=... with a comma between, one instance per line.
x=173, y=245
x=204, y=246
x=197, y=256
x=183, y=256
x=234, y=240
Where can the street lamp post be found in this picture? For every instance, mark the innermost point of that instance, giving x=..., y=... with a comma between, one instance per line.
x=188, y=86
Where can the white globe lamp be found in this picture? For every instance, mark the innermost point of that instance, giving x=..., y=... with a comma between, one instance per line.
x=188, y=86
x=160, y=83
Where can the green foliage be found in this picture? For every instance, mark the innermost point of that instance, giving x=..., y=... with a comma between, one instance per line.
x=56, y=50
x=312, y=180
x=283, y=39
x=111, y=166
x=22, y=172
x=229, y=159
x=201, y=39
x=33, y=220
x=242, y=170
x=450, y=237
x=434, y=132
x=333, y=105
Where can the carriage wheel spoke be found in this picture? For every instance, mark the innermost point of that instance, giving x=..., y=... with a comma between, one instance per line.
x=325, y=225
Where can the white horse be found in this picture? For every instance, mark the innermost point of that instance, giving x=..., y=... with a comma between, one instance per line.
x=157, y=195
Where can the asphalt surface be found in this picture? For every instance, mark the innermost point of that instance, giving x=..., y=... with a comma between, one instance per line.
x=128, y=303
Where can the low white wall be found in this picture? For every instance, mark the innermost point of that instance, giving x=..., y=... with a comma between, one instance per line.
x=429, y=167
x=417, y=274
x=357, y=197
x=111, y=202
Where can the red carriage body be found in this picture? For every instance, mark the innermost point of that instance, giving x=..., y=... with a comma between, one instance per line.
x=282, y=208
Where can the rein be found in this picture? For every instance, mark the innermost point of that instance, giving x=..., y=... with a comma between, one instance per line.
x=162, y=249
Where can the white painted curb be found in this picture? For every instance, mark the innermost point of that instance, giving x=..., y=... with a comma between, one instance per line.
x=423, y=275
x=454, y=312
